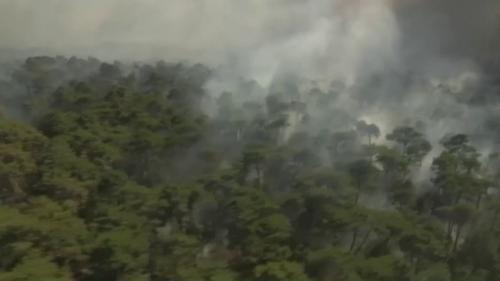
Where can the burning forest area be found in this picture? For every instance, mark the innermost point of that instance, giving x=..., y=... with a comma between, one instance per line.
x=250, y=140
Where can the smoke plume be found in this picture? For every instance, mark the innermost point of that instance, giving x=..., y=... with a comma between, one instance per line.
x=432, y=61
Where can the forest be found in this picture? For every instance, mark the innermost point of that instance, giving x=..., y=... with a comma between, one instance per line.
x=135, y=172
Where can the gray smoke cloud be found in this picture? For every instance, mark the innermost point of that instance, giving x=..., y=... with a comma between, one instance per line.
x=337, y=37
x=257, y=36
x=397, y=60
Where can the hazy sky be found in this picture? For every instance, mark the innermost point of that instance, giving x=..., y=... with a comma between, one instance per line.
x=218, y=30
x=345, y=39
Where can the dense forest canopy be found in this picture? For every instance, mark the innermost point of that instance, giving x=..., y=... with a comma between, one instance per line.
x=116, y=171
x=250, y=140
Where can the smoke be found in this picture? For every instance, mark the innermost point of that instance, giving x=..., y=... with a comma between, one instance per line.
x=258, y=37
x=432, y=61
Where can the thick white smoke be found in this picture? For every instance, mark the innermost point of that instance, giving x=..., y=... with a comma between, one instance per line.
x=396, y=59
x=257, y=36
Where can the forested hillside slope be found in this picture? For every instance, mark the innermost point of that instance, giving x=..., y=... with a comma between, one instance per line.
x=134, y=172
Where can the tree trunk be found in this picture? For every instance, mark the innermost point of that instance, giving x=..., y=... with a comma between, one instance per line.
x=152, y=266
x=414, y=264
x=238, y=135
x=357, y=195
x=363, y=242
x=356, y=198
x=494, y=220
x=450, y=229
x=459, y=197
x=15, y=186
x=354, y=238
x=260, y=176
x=478, y=200
x=457, y=237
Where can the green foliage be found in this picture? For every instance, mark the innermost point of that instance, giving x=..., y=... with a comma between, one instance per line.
x=438, y=272
x=384, y=268
x=280, y=271
x=36, y=267
x=116, y=173
x=412, y=143
x=259, y=229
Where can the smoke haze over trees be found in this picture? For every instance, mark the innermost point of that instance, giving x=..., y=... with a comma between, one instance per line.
x=347, y=140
